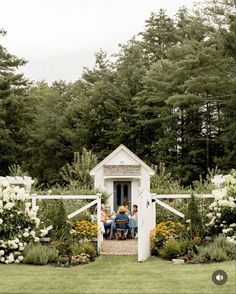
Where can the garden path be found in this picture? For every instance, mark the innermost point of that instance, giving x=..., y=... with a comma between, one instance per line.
x=119, y=247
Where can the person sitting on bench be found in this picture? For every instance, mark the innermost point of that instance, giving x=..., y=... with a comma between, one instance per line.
x=122, y=222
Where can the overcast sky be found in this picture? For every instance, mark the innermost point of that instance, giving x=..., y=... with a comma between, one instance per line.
x=59, y=37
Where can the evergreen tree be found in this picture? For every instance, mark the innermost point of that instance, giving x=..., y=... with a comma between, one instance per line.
x=13, y=107
x=60, y=226
x=192, y=215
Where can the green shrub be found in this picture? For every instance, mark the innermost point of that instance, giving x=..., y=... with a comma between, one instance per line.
x=218, y=250
x=39, y=254
x=87, y=248
x=186, y=246
x=75, y=249
x=52, y=254
x=171, y=249
x=60, y=224
x=193, y=218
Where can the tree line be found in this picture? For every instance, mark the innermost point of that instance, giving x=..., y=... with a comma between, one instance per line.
x=169, y=95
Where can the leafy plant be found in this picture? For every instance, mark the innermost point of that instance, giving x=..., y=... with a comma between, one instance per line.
x=205, y=185
x=87, y=248
x=60, y=223
x=162, y=181
x=16, y=170
x=193, y=219
x=163, y=232
x=77, y=173
x=218, y=250
x=171, y=249
x=39, y=254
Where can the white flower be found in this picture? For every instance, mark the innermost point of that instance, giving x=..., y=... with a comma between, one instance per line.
x=218, y=180
x=37, y=221
x=2, y=259
x=218, y=194
x=20, y=258
x=233, y=225
x=26, y=234
x=1, y=221
x=218, y=214
x=11, y=258
x=36, y=239
x=1, y=204
x=32, y=233
x=1, y=252
x=32, y=214
x=15, y=246
x=229, y=179
x=9, y=205
x=27, y=205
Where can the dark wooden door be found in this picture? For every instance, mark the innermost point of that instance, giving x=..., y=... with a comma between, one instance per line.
x=122, y=193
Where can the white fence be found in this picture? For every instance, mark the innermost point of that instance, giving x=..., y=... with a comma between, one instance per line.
x=22, y=181
x=96, y=200
x=156, y=200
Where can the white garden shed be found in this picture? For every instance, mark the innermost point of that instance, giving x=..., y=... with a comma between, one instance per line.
x=126, y=178
x=122, y=174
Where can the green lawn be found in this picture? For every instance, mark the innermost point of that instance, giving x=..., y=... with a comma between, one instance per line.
x=116, y=274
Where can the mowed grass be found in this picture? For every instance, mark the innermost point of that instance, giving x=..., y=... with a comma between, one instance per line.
x=117, y=274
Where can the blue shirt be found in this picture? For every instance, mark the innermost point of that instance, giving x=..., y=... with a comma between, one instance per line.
x=123, y=217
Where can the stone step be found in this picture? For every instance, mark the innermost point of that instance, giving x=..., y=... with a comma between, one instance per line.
x=119, y=247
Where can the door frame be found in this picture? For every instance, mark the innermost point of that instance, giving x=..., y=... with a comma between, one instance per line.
x=122, y=182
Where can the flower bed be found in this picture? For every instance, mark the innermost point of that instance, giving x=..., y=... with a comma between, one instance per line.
x=19, y=224
x=222, y=213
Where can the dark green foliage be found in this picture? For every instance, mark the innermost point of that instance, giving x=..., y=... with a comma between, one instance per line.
x=193, y=215
x=169, y=96
x=60, y=224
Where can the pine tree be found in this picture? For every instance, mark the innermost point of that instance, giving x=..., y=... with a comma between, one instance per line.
x=12, y=109
x=196, y=227
x=60, y=226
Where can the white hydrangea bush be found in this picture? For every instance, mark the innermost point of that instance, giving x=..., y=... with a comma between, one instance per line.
x=222, y=215
x=19, y=224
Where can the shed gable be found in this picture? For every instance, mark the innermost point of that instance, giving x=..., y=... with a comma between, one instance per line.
x=122, y=156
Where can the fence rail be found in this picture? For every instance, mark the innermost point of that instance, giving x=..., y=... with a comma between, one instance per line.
x=47, y=197
x=179, y=196
x=156, y=198
x=96, y=201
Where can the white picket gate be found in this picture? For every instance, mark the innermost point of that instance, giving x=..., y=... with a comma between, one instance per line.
x=145, y=224
x=147, y=217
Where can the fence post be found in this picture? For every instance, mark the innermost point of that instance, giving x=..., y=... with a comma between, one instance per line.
x=154, y=212
x=33, y=201
x=99, y=212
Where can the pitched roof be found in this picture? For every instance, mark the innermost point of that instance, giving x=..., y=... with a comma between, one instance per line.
x=113, y=153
